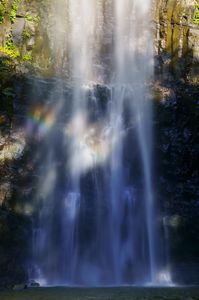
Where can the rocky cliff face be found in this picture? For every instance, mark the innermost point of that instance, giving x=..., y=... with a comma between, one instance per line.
x=23, y=35
x=176, y=91
x=26, y=50
x=177, y=38
x=27, y=28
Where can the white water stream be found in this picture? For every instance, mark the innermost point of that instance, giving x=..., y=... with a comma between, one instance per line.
x=97, y=223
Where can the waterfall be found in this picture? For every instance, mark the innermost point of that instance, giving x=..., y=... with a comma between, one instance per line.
x=97, y=223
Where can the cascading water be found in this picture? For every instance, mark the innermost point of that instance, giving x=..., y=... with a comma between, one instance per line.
x=97, y=222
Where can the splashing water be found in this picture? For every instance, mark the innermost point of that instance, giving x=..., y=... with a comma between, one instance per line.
x=97, y=222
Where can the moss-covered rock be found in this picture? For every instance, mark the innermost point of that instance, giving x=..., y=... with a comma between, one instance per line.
x=177, y=38
x=23, y=23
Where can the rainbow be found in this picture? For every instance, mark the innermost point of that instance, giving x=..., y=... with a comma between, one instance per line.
x=40, y=120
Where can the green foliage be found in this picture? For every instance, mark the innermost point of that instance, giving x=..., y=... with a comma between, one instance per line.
x=13, y=12
x=196, y=17
x=2, y=10
x=32, y=18
x=9, y=43
x=13, y=15
x=29, y=18
x=10, y=49
x=27, y=57
x=26, y=34
x=10, y=53
x=4, y=62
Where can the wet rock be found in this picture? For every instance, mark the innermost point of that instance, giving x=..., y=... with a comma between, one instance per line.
x=17, y=30
x=15, y=231
x=13, y=149
x=173, y=221
x=5, y=192
x=19, y=287
x=33, y=283
x=30, y=44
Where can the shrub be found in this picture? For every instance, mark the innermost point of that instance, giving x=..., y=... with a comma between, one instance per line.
x=196, y=17
x=13, y=12
x=27, y=57
x=2, y=10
